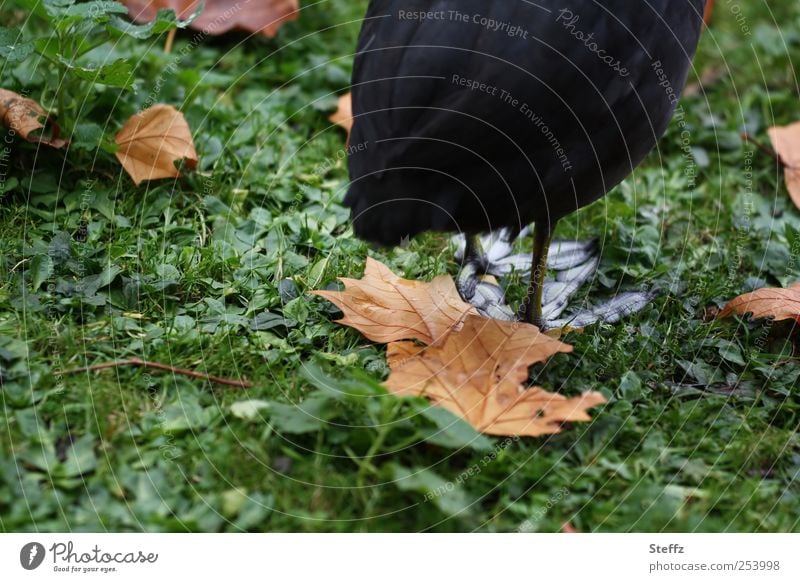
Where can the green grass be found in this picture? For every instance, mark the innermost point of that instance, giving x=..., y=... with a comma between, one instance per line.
x=700, y=431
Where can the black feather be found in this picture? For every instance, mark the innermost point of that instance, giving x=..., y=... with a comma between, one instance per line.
x=562, y=117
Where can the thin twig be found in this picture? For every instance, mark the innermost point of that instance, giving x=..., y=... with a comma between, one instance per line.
x=170, y=40
x=158, y=366
x=769, y=151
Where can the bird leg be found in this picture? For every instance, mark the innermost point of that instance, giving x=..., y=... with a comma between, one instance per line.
x=573, y=264
x=531, y=308
x=473, y=265
x=488, y=298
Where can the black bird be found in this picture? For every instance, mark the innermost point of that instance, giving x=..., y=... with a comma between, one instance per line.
x=477, y=115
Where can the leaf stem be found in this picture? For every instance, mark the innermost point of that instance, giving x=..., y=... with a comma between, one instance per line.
x=170, y=40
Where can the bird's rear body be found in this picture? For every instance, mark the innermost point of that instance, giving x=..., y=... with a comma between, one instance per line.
x=473, y=115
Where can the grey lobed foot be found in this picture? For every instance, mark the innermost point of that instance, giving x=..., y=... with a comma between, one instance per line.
x=612, y=311
x=574, y=263
x=488, y=298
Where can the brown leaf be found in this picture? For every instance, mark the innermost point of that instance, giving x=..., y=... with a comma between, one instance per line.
x=344, y=114
x=778, y=303
x=26, y=118
x=709, y=12
x=786, y=142
x=152, y=141
x=220, y=16
x=386, y=308
x=477, y=374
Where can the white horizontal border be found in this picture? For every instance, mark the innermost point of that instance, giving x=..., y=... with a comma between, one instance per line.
x=403, y=557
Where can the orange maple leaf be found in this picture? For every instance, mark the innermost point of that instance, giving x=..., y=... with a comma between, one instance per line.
x=152, y=141
x=219, y=16
x=780, y=304
x=386, y=308
x=344, y=114
x=709, y=12
x=478, y=373
x=472, y=366
x=786, y=142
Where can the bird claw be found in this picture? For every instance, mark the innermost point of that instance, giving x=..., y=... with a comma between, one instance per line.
x=574, y=263
x=486, y=297
x=489, y=300
x=467, y=280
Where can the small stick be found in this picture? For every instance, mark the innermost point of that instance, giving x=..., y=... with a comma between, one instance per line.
x=158, y=366
x=170, y=40
x=769, y=151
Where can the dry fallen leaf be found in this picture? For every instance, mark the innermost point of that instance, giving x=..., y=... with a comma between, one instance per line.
x=152, y=141
x=709, y=11
x=786, y=142
x=478, y=373
x=344, y=114
x=777, y=303
x=220, y=16
x=386, y=308
x=26, y=118
x=472, y=366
